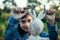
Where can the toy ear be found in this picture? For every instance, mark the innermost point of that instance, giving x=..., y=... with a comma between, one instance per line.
x=32, y=13
x=41, y=14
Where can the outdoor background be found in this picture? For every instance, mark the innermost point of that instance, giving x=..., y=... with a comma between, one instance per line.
x=5, y=8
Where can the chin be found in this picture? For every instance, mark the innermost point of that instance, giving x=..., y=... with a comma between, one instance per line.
x=26, y=30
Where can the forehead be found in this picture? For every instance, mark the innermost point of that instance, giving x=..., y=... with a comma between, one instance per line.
x=27, y=17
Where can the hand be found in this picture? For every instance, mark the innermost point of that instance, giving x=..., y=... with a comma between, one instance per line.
x=50, y=16
x=18, y=13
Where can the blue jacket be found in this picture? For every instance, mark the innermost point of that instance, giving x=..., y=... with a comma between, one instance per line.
x=11, y=32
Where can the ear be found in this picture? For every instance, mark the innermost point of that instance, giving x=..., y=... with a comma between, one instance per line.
x=41, y=14
x=32, y=13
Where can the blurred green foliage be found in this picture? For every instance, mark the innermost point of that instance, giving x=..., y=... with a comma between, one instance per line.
x=3, y=23
x=4, y=14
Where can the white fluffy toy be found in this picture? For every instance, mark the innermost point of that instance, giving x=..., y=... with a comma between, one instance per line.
x=36, y=27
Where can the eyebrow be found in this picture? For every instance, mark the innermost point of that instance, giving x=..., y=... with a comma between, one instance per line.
x=24, y=19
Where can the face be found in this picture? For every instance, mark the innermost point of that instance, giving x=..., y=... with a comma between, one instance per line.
x=24, y=23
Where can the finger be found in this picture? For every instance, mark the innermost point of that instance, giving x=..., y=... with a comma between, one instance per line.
x=50, y=12
x=54, y=10
x=22, y=15
x=16, y=10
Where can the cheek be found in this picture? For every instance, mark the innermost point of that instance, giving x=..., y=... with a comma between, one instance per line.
x=21, y=25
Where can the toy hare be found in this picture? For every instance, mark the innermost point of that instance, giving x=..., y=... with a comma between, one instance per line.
x=36, y=27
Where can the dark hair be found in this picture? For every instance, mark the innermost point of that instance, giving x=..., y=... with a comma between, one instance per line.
x=20, y=31
x=25, y=15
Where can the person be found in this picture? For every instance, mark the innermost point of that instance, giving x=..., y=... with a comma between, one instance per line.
x=17, y=28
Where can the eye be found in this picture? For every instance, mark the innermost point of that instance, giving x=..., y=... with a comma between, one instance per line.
x=23, y=21
x=29, y=20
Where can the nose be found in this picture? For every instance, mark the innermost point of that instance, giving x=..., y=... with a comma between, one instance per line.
x=27, y=24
